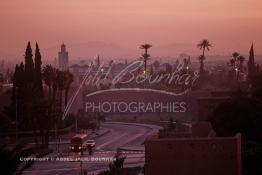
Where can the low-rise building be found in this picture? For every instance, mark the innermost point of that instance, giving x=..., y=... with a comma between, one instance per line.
x=193, y=156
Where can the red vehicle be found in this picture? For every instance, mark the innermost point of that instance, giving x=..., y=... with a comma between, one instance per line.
x=79, y=143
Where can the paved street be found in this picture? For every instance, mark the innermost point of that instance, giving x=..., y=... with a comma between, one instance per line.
x=128, y=137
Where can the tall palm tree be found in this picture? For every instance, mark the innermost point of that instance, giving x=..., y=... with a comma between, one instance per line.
x=201, y=59
x=235, y=56
x=241, y=60
x=48, y=77
x=69, y=81
x=232, y=64
x=61, y=85
x=235, y=62
x=203, y=45
x=145, y=56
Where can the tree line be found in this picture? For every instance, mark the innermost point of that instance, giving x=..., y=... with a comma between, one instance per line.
x=39, y=95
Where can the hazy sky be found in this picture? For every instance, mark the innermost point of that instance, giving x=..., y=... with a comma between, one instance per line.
x=231, y=25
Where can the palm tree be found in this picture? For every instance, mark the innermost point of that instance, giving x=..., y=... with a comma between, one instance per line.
x=235, y=56
x=239, y=67
x=145, y=56
x=55, y=86
x=69, y=81
x=203, y=45
x=232, y=63
x=235, y=61
x=201, y=59
x=241, y=60
x=48, y=77
x=61, y=85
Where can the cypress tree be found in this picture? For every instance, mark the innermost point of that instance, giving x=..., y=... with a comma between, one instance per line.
x=21, y=75
x=29, y=64
x=251, y=64
x=38, y=71
x=15, y=76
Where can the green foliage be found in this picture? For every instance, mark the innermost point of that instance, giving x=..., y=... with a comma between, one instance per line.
x=10, y=158
x=116, y=168
x=35, y=111
x=203, y=45
x=124, y=171
x=38, y=72
x=240, y=114
x=117, y=164
x=257, y=86
x=252, y=158
x=29, y=64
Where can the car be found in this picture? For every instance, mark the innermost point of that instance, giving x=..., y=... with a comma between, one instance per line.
x=91, y=143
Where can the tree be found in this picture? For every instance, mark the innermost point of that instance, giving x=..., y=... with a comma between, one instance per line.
x=145, y=56
x=232, y=63
x=116, y=167
x=49, y=74
x=28, y=96
x=69, y=81
x=10, y=158
x=251, y=158
x=201, y=59
x=29, y=64
x=256, y=89
x=61, y=84
x=241, y=59
x=239, y=115
x=237, y=63
x=48, y=77
x=203, y=45
x=38, y=72
x=98, y=61
x=252, y=68
x=235, y=55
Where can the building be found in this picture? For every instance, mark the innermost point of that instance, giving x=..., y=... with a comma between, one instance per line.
x=193, y=156
x=197, y=151
x=63, y=58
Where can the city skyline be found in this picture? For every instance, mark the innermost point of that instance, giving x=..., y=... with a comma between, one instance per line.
x=167, y=25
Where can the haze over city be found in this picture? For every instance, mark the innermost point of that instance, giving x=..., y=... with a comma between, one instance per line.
x=116, y=28
x=131, y=87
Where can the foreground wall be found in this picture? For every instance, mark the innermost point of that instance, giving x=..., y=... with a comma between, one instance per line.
x=193, y=156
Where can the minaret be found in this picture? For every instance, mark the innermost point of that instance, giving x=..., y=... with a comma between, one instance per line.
x=63, y=58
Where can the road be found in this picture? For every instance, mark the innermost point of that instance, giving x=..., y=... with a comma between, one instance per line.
x=129, y=137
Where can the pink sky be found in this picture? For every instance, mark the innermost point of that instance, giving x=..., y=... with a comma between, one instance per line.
x=231, y=25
